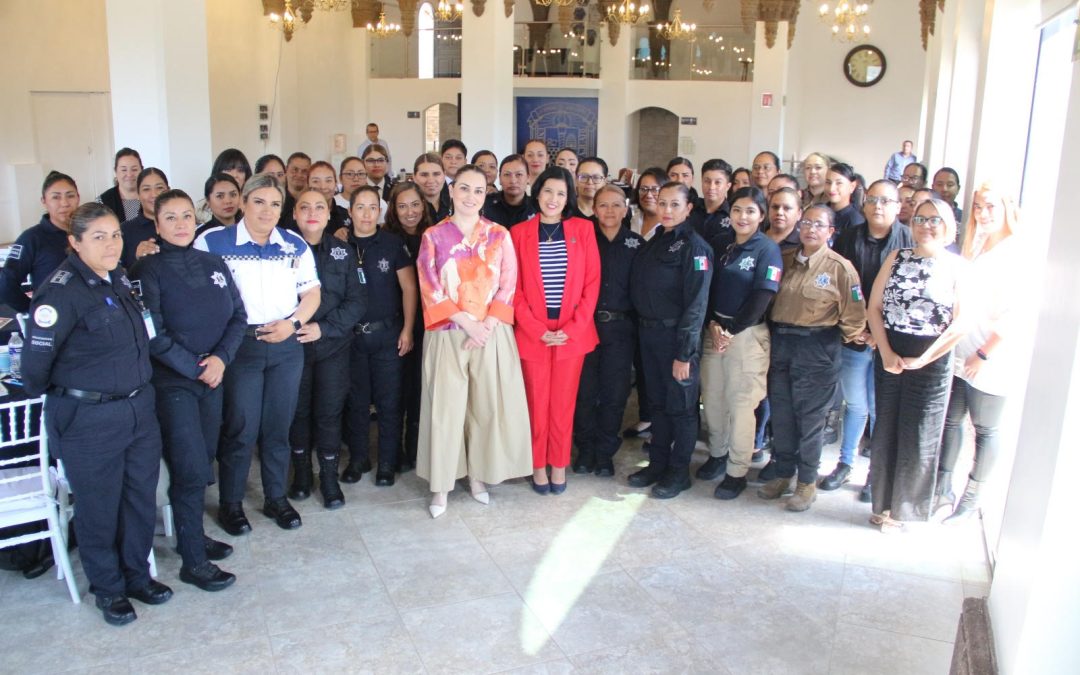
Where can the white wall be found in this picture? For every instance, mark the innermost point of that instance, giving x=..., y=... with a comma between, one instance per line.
x=68, y=53
x=862, y=126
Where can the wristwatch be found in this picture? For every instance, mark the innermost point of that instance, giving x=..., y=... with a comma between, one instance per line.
x=296, y=324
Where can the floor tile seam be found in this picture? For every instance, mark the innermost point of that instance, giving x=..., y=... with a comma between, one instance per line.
x=906, y=573
x=849, y=622
x=385, y=614
x=485, y=596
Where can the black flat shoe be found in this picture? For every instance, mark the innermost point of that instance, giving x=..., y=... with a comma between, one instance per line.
x=585, y=462
x=634, y=432
x=153, y=593
x=282, y=512
x=207, y=576
x=116, y=609
x=540, y=489
x=730, y=488
x=605, y=468
x=216, y=550
x=384, y=477
x=354, y=471
x=232, y=519
x=645, y=477
x=864, y=495
x=557, y=488
x=671, y=484
x=712, y=469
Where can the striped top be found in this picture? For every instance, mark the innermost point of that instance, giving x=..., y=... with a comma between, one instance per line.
x=553, y=266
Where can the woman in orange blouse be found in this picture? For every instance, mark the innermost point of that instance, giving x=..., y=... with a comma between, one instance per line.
x=558, y=285
x=473, y=415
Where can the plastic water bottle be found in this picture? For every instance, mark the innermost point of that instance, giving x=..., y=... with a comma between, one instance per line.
x=14, y=348
x=401, y=175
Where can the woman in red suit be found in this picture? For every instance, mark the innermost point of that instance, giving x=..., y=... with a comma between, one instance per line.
x=557, y=287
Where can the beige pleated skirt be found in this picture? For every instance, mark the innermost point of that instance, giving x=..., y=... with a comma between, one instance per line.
x=474, y=420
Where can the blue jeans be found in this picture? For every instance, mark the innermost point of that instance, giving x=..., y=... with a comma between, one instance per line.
x=857, y=383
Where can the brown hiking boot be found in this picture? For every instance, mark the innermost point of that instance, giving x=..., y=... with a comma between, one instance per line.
x=805, y=494
x=775, y=488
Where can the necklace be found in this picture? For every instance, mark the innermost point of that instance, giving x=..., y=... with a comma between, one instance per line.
x=550, y=234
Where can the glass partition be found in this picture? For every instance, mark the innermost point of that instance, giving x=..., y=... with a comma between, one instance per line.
x=717, y=53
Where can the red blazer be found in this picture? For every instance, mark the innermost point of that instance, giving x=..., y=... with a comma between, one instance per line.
x=579, y=294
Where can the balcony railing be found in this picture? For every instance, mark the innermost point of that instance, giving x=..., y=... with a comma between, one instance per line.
x=718, y=53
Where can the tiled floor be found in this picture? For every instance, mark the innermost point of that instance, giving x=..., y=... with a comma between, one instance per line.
x=600, y=579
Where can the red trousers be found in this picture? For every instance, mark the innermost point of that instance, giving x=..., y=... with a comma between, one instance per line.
x=551, y=391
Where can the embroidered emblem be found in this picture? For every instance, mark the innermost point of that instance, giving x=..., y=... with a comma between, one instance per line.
x=822, y=280
x=384, y=265
x=701, y=263
x=856, y=292
x=337, y=253
x=218, y=278
x=61, y=277
x=772, y=273
x=288, y=247
x=632, y=243
x=15, y=252
x=747, y=264
x=676, y=246
x=124, y=280
x=46, y=316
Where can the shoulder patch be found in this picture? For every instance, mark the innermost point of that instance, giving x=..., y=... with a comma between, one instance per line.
x=772, y=273
x=701, y=263
x=42, y=340
x=15, y=252
x=856, y=292
x=45, y=316
x=61, y=277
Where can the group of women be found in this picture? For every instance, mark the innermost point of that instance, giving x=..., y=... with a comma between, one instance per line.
x=495, y=346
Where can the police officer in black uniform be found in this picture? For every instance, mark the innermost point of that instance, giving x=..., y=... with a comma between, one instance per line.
x=510, y=205
x=139, y=232
x=670, y=291
x=326, y=338
x=88, y=349
x=199, y=319
x=605, y=375
x=40, y=249
x=383, y=336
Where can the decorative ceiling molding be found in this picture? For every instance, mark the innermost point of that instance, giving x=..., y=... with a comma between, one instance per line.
x=365, y=12
x=408, y=16
x=508, y=7
x=478, y=7
x=928, y=18
x=566, y=17
x=772, y=12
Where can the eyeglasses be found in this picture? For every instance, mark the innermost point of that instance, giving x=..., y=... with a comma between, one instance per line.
x=654, y=190
x=375, y=160
x=928, y=221
x=812, y=225
x=884, y=201
x=590, y=178
x=353, y=174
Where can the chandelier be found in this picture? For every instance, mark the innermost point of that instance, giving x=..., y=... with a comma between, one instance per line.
x=560, y=3
x=678, y=29
x=626, y=12
x=447, y=11
x=288, y=21
x=383, y=28
x=847, y=20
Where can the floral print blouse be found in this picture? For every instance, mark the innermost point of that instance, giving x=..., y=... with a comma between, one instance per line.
x=476, y=276
x=920, y=293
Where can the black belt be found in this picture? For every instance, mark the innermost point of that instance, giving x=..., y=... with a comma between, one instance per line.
x=91, y=396
x=604, y=316
x=252, y=331
x=369, y=327
x=789, y=329
x=658, y=323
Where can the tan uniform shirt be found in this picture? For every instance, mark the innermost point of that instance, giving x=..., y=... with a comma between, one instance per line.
x=822, y=290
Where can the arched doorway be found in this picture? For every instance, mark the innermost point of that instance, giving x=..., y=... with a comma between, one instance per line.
x=440, y=124
x=654, y=137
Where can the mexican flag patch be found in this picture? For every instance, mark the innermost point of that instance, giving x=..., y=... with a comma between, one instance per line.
x=772, y=273
x=856, y=292
x=701, y=263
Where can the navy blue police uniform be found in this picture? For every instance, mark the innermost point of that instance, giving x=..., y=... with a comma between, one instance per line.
x=412, y=375
x=670, y=290
x=88, y=350
x=35, y=254
x=498, y=210
x=197, y=312
x=324, y=383
x=135, y=231
x=376, y=368
x=605, y=375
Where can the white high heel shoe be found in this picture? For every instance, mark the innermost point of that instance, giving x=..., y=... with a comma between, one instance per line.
x=479, y=491
x=438, y=504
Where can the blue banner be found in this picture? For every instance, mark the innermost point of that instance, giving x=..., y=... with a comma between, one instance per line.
x=559, y=122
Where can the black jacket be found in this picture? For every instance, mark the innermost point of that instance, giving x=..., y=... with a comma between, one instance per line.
x=35, y=254
x=343, y=299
